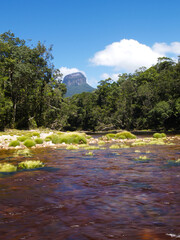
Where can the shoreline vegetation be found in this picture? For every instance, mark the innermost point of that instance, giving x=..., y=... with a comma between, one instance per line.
x=32, y=94
x=24, y=139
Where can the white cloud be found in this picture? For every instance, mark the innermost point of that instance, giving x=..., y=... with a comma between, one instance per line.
x=129, y=55
x=65, y=71
x=113, y=76
x=164, y=48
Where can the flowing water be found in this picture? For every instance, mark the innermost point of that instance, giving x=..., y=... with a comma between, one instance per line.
x=105, y=196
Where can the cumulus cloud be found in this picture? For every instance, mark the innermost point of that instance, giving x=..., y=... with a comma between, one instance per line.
x=65, y=71
x=164, y=48
x=128, y=54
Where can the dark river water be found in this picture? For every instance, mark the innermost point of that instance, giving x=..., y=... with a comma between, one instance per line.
x=105, y=196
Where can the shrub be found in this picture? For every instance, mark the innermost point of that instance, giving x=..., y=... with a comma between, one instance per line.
x=14, y=143
x=7, y=167
x=159, y=135
x=38, y=141
x=30, y=164
x=29, y=143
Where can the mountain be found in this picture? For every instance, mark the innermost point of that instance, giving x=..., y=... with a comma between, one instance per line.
x=76, y=83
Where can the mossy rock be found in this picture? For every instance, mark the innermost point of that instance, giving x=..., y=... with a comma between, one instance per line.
x=7, y=167
x=29, y=143
x=14, y=143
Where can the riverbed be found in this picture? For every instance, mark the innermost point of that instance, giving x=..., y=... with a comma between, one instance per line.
x=113, y=194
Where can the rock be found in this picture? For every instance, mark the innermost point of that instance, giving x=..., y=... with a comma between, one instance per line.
x=74, y=79
x=76, y=83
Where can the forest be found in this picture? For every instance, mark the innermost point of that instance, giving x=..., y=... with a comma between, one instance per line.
x=32, y=94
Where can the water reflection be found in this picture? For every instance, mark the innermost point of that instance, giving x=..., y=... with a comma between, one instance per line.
x=104, y=196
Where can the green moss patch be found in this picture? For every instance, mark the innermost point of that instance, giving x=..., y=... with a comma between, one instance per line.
x=159, y=135
x=38, y=141
x=29, y=143
x=14, y=143
x=30, y=164
x=120, y=135
x=7, y=167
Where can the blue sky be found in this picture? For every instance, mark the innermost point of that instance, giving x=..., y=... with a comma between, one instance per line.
x=102, y=38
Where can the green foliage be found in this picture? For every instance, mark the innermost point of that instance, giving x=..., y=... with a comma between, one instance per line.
x=29, y=143
x=159, y=135
x=14, y=143
x=125, y=135
x=121, y=135
x=7, y=167
x=31, y=95
x=89, y=154
x=72, y=147
x=69, y=138
x=110, y=136
x=24, y=152
x=22, y=138
x=38, y=141
x=30, y=164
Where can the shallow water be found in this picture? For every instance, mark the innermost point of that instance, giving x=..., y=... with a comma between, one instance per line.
x=105, y=196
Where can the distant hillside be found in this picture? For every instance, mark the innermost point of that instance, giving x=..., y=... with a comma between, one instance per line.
x=76, y=83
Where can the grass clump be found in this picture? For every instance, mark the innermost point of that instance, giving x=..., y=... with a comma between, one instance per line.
x=38, y=141
x=125, y=135
x=121, y=135
x=89, y=154
x=24, y=152
x=142, y=158
x=159, y=135
x=137, y=151
x=14, y=143
x=72, y=147
x=22, y=138
x=91, y=148
x=7, y=167
x=110, y=136
x=157, y=142
x=101, y=142
x=29, y=143
x=68, y=138
x=30, y=164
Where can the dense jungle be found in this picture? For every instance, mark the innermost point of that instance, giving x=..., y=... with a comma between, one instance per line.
x=32, y=94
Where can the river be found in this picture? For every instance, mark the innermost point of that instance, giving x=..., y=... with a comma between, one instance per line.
x=109, y=195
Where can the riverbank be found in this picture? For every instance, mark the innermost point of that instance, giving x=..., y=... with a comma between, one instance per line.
x=21, y=139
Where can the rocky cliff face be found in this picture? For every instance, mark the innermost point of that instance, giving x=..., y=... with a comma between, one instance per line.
x=74, y=79
x=76, y=83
